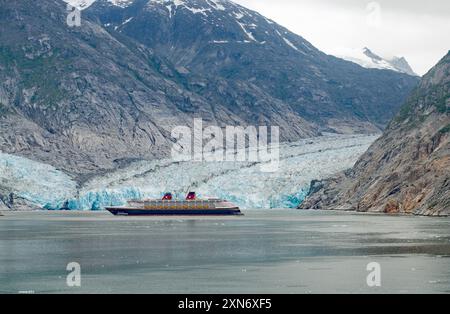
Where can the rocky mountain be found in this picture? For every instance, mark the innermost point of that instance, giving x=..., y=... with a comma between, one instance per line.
x=368, y=59
x=407, y=170
x=401, y=65
x=235, y=50
x=93, y=98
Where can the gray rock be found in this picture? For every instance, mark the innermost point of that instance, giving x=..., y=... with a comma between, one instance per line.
x=11, y=201
x=407, y=170
x=89, y=99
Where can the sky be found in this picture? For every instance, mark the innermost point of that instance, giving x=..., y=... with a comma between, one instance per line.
x=415, y=29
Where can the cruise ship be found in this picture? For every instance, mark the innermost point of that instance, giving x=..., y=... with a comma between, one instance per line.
x=167, y=206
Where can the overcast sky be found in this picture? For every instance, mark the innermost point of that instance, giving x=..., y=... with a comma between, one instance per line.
x=419, y=30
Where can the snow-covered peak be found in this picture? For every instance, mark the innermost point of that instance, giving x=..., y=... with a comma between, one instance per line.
x=84, y=4
x=207, y=22
x=195, y=6
x=121, y=3
x=205, y=4
x=368, y=59
x=80, y=4
x=230, y=23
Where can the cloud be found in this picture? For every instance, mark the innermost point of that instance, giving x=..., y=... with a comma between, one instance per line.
x=402, y=27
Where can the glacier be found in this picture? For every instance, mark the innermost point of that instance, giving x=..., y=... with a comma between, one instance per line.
x=368, y=59
x=39, y=183
x=240, y=182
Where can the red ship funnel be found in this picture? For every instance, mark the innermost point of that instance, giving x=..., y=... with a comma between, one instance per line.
x=191, y=196
x=167, y=197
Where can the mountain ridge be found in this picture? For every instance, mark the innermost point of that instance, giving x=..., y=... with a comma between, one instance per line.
x=89, y=99
x=368, y=59
x=407, y=170
x=235, y=43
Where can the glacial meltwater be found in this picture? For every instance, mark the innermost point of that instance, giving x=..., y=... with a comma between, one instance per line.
x=266, y=251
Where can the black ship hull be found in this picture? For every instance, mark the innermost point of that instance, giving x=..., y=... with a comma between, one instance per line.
x=174, y=212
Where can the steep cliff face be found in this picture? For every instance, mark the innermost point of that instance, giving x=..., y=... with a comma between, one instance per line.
x=407, y=170
x=87, y=101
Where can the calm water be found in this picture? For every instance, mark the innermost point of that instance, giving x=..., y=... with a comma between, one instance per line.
x=263, y=252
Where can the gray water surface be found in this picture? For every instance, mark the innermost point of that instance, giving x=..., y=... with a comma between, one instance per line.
x=276, y=251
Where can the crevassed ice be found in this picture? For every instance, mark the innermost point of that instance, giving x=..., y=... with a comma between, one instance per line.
x=241, y=183
x=40, y=183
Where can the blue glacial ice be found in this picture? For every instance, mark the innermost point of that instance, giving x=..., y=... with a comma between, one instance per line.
x=37, y=182
x=240, y=182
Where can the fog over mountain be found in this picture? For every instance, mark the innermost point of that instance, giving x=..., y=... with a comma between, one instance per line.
x=408, y=28
x=368, y=59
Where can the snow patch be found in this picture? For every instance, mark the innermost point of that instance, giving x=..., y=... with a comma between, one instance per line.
x=80, y=4
x=238, y=15
x=248, y=33
x=191, y=6
x=84, y=4
x=121, y=3
x=290, y=44
x=216, y=4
